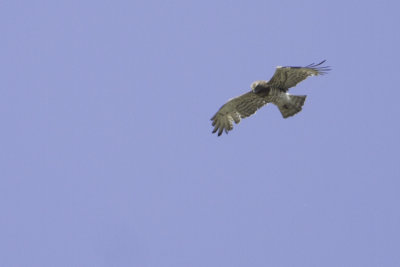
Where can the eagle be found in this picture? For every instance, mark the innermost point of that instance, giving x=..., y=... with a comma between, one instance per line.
x=262, y=92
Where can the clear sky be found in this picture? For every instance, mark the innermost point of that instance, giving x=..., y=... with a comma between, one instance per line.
x=106, y=151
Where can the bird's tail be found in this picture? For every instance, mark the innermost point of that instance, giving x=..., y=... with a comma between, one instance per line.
x=292, y=105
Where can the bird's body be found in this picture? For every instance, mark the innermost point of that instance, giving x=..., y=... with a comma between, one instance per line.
x=263, y=92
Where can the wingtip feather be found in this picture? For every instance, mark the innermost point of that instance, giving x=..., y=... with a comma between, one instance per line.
x=320, y=69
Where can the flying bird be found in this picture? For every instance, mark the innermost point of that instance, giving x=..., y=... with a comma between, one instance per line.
x=262, y=92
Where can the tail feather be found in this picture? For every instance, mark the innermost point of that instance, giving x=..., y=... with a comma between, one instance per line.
x=292, y=106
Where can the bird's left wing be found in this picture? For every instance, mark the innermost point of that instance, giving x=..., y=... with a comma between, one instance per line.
x=235, y=109
x=287, y=77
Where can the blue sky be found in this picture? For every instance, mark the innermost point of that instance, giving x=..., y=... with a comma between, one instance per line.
x=107, y=156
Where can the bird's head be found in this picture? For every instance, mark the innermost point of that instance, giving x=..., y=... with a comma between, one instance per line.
x=256, y=86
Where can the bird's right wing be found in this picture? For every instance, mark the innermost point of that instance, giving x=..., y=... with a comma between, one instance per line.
x=287, y=77
x=236, y=109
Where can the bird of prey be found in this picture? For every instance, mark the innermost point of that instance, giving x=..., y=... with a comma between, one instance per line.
x=262, y=92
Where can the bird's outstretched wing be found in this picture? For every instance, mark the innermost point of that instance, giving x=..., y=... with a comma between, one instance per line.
x=235, y=109
x=287, y=77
